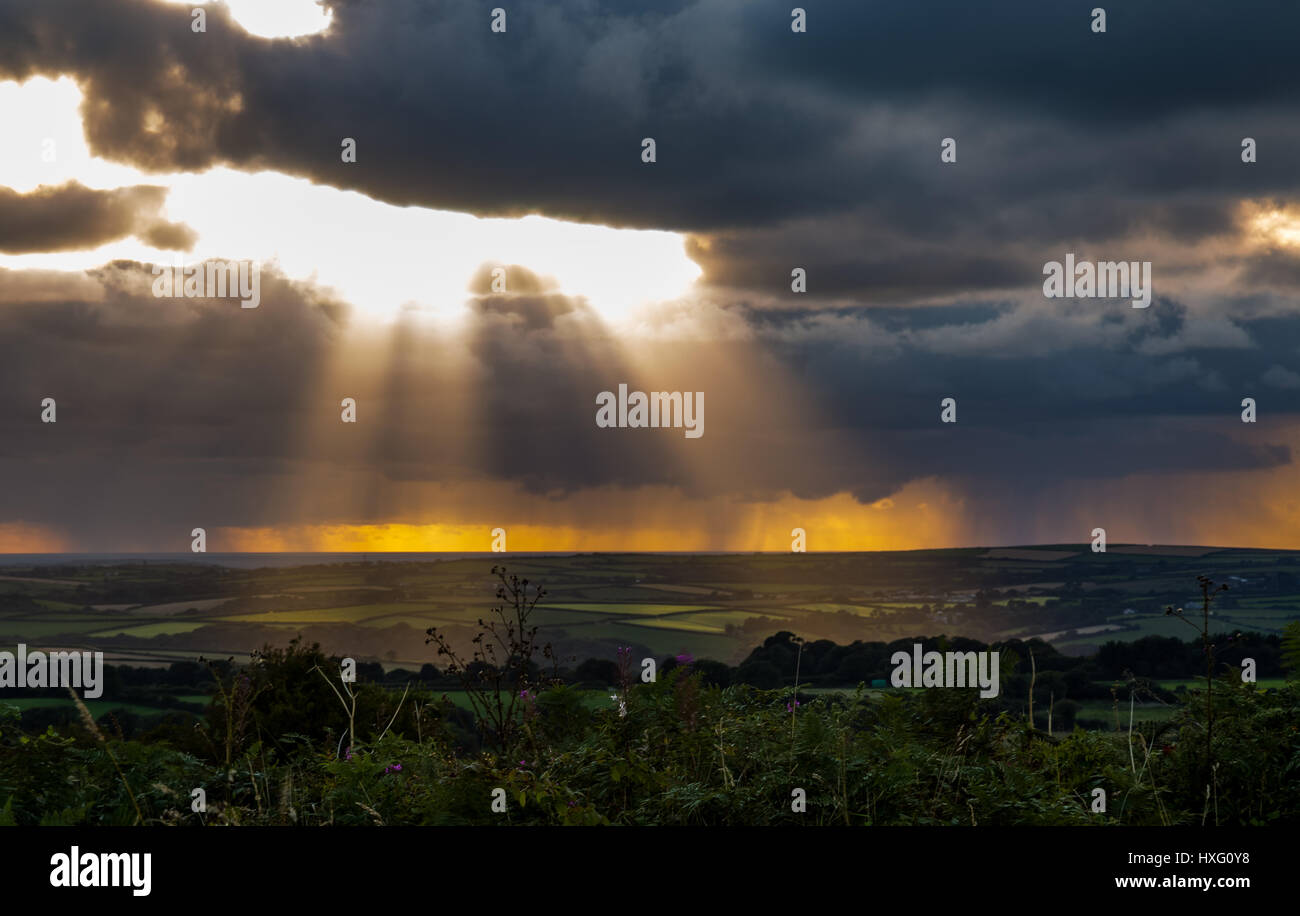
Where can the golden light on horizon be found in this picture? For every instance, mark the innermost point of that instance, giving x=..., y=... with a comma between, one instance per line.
x=18, y=537
x=922, y=515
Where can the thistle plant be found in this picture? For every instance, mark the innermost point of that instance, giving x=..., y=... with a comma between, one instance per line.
x=1208, y=593
x=499, y=676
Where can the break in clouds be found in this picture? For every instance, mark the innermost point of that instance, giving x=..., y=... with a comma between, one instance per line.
x=775, y=151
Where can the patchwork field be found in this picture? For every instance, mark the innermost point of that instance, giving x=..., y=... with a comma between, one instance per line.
x=707, y=605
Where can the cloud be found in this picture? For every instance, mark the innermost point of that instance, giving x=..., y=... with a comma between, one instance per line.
x=755, y=125
x=234, y=418
x=72, y=216
x=1280, y=377
x=775, y=151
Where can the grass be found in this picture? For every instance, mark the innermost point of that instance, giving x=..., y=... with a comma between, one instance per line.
x=57, y=605
x=591, y=699
x=874, y=693
x=630, y=608
x=631, y=598
x=677, y=623
x=97, y=707
x=27, y=630
x=682, y=589
x=611, y=592
x=356, y=613
x=663, y=642
x=835, y=608
x=149, y=630
x=1142, y=626
x=1198, y=683
x=1104, y=710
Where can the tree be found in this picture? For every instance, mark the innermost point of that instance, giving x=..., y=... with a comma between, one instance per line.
x=713, y=673
x=758, y=673
x=598, y=672
x=854, y=669
x=1291, y=650
x=1064, y=712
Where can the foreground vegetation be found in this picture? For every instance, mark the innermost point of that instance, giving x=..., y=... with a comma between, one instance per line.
x=286, y=740
x=683, y=753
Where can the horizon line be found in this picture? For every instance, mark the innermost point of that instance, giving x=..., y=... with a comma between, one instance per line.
x=1083, y=546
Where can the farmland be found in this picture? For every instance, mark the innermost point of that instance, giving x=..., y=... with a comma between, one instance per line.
x=215, y=670
x=709, y=605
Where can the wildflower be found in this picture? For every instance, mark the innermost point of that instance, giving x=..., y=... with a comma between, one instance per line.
x=790, y=707
x=685, y=659
x=394, y=768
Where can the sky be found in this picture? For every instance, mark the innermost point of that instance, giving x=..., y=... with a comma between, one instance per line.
x=498, y=252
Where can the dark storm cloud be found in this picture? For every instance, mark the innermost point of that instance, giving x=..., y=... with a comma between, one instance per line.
x=775, y=151
x=1080, y=394
x=234, y=408
x=72, y=216
x=540, y=360
x=991, y=234
x=754, y=124
x=1155, y=58
x=91, y=352
x=1273, y=268
x=166, y=407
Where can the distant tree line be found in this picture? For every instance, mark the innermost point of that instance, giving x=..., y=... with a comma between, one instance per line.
x=1057, y=678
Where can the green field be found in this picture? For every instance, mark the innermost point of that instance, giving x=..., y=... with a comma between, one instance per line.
x=630, y=608
x=1104, y=710
x=54, y=625
x=145, y=631
x=97, y=708
x=1263, y=683
x=704, y=604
